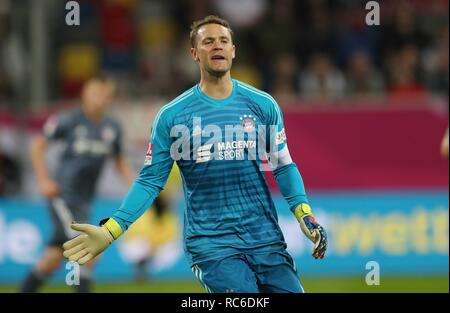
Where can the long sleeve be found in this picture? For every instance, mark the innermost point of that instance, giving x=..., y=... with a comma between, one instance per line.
x=285, y=171
x=152, y=177
x=291, y=185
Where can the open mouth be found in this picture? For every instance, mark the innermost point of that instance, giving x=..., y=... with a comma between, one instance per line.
x=217, y=57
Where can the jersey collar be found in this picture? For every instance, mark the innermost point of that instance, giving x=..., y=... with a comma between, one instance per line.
x=224, y=101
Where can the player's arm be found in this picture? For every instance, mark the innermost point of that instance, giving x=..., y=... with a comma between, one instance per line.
x=290, y=181
x=54, y=128
x=48, y=187
x=144, y=190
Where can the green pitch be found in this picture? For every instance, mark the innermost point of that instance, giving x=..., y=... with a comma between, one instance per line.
x=403, y=284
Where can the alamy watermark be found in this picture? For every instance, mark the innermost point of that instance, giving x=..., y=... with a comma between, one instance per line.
x=373, y=16
x=73, y=274
x=373, y=276
x=242, y=141
x=73, y=14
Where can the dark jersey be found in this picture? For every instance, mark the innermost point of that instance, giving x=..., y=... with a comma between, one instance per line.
x=87, y=145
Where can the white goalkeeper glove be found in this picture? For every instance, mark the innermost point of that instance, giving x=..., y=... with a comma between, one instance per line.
x=93, y=240
x=311, y=228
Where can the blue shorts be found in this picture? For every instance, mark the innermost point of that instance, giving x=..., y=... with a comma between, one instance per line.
x=268, y=272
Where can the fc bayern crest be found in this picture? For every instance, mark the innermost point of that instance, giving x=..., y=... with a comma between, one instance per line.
x=248, y=122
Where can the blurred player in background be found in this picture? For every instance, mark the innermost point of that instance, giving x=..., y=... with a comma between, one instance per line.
x=444, y=145
x=231, y=234
x=90, y=136
x=10, y=175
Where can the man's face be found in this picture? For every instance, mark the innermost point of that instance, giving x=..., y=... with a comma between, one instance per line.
x=97, y=95
x=214, y=49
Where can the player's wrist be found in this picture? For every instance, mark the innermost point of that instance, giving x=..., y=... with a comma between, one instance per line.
x=113, y=227
x=108, y=236
x=302, y=210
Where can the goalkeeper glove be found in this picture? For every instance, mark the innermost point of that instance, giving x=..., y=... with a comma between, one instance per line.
x=93, y=240
x=312, y=230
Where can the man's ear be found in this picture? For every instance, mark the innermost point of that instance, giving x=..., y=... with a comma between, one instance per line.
x=194, y=54
x=234, y=52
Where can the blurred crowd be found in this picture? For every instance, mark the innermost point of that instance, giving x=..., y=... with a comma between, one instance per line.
x=314, y=49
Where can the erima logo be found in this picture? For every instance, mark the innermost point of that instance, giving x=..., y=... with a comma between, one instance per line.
x=204, y=153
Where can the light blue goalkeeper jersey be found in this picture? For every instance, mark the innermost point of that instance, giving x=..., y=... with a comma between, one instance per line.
x=221, y=147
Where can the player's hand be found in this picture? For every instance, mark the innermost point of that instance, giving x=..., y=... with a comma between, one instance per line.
x=49, y=188
x=313, y=230
x=93, y=241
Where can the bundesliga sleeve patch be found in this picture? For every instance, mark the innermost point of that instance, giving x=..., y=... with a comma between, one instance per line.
x=280, y=137
x=148, y=155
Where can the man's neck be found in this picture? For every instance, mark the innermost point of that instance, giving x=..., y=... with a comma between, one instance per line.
x=91, y=116
x=217, y=87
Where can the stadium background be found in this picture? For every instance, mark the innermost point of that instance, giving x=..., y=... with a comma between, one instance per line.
x=365, y=109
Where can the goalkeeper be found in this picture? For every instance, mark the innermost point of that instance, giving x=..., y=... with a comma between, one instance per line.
x=231, y=234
